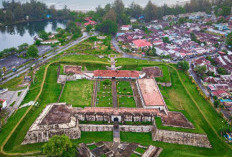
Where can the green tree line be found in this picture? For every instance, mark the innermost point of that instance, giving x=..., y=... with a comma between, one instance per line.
x=118, y=13
x=13, y=12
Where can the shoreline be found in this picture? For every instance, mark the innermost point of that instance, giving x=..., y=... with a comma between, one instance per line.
x=27, y=21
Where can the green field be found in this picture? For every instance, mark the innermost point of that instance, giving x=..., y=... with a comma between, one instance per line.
x=78, y=93
x=125, y=101
x=124, y=88
x=181, y=96
x=104, y=94
x=125, y=94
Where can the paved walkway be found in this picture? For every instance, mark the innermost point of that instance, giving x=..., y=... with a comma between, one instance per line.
x=116, y=133
x=114, y=94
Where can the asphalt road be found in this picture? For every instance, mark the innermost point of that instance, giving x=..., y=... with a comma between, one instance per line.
x=41, y=59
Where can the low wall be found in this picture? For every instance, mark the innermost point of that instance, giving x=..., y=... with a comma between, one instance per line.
x=95, y=128
x=165, y=84
x=199, y=140
x=135, y=128
x=123, y=128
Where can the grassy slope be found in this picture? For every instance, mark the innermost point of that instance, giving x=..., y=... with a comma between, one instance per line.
x=78, y=93
x=50, y=94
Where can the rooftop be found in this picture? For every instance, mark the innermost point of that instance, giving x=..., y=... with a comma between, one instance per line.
x=150, y=92
x=115, y=73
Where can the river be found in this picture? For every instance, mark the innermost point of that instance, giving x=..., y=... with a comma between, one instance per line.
x=15, y=35
x=85, y=5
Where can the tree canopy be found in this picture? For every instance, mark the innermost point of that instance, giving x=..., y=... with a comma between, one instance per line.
x=32, y=51
x=107, y=27
x=32, y=10
x=59, y=146
x=229, y=40
x=184, y=65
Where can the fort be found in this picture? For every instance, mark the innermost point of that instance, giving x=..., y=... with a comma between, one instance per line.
x=62, y=118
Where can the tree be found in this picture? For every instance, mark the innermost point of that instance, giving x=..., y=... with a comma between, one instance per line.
x=184, y=65
x=4, y=69
x=32, y=51
x=222, y=71
x=216, y=103
x=110, y=15
x=59, y=146
x=200, y=70
x=229, y=40
x=135, y=10
x=88, y=28
x=166, y=40
x=150, y=11
x=43, y=35
x=73, y=28
x=37, y=42
x=107, y=27
x=23, y=47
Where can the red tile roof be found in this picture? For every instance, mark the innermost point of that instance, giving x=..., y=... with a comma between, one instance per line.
x=115, y=73
x=141, y=43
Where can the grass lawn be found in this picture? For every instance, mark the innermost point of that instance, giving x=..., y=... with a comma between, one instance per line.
x=35, y=87
x=140, y=150
x=166, y=75
x=125, y=101
x=124, y=88
x=14, y=83
x=104, y=94
x=87, y=47
x=125, y=94
x=78, y=93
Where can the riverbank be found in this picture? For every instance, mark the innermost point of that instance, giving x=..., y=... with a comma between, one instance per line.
x=28, y=21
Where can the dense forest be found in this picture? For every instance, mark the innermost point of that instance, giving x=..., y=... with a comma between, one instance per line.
x=119, y=14
x=33, y=10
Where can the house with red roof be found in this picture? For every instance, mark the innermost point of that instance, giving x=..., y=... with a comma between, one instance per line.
x=3, y=103
x=141, y=43
x=89, y=21
x=125, y=27
x=220, y=94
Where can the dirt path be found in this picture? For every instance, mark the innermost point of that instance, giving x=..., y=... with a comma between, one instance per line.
x=136, y=95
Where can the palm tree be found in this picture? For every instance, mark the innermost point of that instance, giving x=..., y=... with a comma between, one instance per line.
x=3, y=70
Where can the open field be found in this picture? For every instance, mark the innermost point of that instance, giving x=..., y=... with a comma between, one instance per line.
x=182, y=96
x=104, y=94
x=78, y=93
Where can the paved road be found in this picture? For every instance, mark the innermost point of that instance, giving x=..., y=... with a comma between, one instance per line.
x=41, y=59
